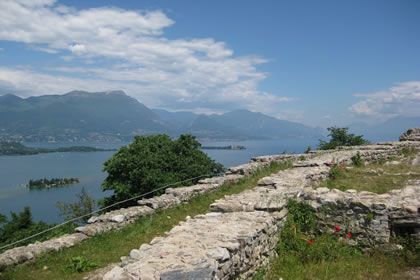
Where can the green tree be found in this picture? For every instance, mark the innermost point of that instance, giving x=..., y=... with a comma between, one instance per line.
x=151, y=162
x=3, y=219
x=341, y=137
x=83, y=206
x=21, y=225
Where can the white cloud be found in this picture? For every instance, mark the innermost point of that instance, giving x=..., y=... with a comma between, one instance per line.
x=193, y=74
x=403, y=99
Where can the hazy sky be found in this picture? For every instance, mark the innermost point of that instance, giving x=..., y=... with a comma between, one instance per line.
x=317, y=62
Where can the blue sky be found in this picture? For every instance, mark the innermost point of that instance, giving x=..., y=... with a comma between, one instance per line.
x=317, y=62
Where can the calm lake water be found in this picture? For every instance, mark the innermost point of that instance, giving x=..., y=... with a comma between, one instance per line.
x=15, y=171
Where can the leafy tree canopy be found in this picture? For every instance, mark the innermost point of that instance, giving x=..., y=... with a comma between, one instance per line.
x=151, y=162
x=341, y=137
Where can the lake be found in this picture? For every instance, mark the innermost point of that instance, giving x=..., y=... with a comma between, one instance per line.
x=15, y=171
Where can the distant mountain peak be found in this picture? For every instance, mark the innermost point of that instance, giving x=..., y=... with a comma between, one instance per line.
x=9, y=97
x=85, y=93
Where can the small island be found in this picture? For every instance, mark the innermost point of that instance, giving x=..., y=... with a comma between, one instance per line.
x=52, y=183
x=14, y=148
x=231, y=147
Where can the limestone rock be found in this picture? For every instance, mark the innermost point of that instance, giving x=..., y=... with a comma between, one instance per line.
x=412, y=134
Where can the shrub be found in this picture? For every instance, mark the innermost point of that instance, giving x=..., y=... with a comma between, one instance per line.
x=21, y=225
x=341, y=137
x=151, y=162
x=83, y=206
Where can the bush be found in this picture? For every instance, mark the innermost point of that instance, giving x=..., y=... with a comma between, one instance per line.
x=83, y=206
x=340, y=137
x=21, y=225
x=151, y=162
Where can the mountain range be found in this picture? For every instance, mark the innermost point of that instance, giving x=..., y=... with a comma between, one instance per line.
x=115, y=116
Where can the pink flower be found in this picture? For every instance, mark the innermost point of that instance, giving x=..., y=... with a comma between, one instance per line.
x=348, y=234
x=337, y=228
x=293, y=227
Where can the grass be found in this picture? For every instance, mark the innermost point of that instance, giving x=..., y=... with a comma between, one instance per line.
x=303, y=253
x=377, y=178
x=378, y=266
x=107, y=248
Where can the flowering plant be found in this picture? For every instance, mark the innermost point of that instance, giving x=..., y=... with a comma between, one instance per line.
x=335, y=170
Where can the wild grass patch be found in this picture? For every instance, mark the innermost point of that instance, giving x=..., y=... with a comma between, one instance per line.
x=377, y=178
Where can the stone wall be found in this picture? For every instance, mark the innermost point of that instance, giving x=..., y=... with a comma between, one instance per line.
x=189, y=250
x=240, y=232
x=117, y=219
x=368, y=216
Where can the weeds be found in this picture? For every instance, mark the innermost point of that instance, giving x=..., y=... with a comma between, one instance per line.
x=80, y=264
x=408, y=151
x=357, y=160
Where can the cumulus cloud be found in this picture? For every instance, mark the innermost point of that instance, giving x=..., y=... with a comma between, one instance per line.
x=198, y=73
x=403, y=99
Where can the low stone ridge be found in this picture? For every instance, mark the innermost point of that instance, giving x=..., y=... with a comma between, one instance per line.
x=197, y=246
x=26, y=253
x=212, y=246
x=117, y=219
x=412, y=134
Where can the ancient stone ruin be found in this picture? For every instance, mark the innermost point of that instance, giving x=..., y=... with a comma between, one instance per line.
x=240, y=232
x=413, y=134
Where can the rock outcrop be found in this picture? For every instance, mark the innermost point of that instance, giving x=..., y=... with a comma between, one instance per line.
x=412, y=134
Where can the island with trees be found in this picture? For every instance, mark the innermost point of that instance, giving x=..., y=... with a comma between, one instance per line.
x=15, y=148
x=51, y=183
x=230, y=147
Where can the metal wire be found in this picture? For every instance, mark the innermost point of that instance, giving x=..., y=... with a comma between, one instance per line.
x=104, y=208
